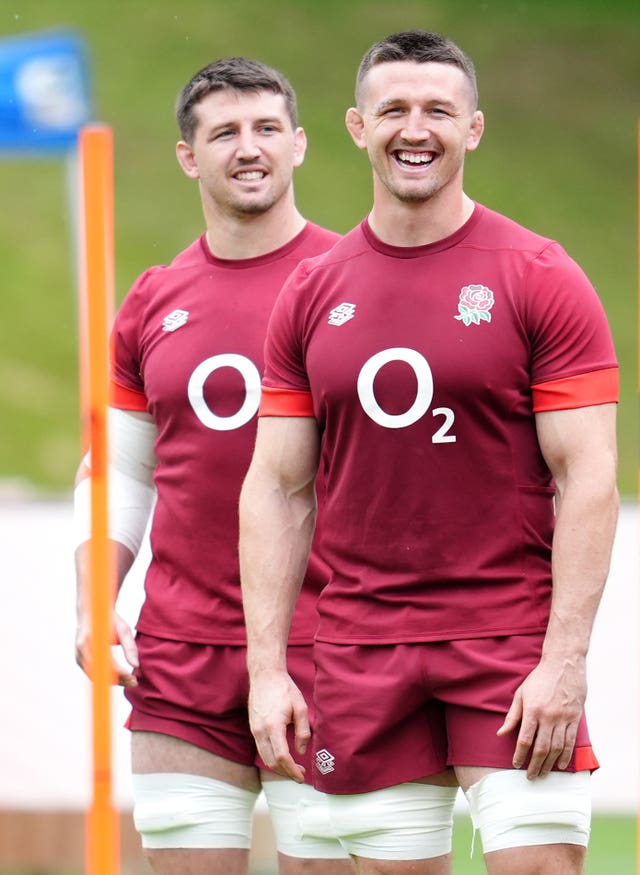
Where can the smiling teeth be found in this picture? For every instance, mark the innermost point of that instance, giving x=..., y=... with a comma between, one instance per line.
x=412, y=158
x=250, y=174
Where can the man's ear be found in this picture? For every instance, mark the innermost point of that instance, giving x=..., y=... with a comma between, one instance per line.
x=187, y=160
x=475, y=131
x=299, y=147
x=355, y=126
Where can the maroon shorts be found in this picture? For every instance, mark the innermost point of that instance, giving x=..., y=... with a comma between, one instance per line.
x=395, y=713
x=198, y=692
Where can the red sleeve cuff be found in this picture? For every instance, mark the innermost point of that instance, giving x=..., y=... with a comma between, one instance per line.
x=128, y=399
x=285, y=402
x=583, y=390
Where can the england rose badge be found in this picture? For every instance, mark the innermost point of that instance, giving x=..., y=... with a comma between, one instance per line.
x=474, y=305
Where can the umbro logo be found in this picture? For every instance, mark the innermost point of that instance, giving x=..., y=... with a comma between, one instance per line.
x=325, y=762
x=176, y=319
x=342, y=313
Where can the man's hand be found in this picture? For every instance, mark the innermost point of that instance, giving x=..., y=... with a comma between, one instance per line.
x=122, y=635
x=274, y=703
x=548, y=706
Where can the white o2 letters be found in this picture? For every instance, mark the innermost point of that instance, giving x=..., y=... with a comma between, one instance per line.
x=424, y=394
x=249, y=408
x=423, y=399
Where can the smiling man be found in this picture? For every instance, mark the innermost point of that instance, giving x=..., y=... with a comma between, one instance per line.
x=188, y=357
x=394, y=103
x=453, y=376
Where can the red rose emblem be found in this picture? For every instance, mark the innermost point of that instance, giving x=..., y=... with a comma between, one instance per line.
x=477, y=297
x=474, y=304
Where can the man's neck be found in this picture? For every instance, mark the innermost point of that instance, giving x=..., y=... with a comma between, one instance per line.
x=401, y=223
x=252, y=235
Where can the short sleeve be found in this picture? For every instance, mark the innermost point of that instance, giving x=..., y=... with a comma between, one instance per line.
x=126, y=339
x=284, y=353
x=569, y=332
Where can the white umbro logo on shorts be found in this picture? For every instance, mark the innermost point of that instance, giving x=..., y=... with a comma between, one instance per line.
x=342, y=313
x=175, y=319
x=325, y=762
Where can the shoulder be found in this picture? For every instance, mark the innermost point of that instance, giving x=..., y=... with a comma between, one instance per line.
x=344, y=248
x=311, y=241
x=322, y=236
x=500, y=232
x=313, y=278
x=154, y=277
x=531, y=255
x=193, y=256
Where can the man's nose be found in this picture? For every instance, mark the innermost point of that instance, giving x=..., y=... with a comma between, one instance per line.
x=416, y=127
x=247, y=146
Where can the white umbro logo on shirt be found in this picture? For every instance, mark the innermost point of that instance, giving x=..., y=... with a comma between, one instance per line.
x=342, y=313
x=175, y=319
x=325, y=762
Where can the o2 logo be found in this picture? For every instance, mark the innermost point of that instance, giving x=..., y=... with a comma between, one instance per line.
x=424, y=394
x=195, y=390
x=366, y=394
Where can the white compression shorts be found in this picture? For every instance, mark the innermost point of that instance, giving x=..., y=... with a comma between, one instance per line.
x=510, y=811
x=407, y=822
x=173, y=810
x=294, y=808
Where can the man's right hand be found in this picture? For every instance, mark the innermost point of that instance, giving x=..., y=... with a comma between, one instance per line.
x=122, y=635
x=275, y=702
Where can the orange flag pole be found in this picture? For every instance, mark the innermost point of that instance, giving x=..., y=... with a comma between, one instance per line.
x=638, y=363
x=96, y=308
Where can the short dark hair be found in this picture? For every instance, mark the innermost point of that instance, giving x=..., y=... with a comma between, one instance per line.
x=420, y=46
x=239, y=74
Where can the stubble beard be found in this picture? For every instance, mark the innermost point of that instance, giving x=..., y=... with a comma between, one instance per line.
x=255, y=208
x=411, y=195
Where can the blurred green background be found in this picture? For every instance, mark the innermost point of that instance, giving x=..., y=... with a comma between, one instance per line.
x=559, y=84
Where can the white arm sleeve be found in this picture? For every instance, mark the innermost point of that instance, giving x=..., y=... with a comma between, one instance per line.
x=132, y=462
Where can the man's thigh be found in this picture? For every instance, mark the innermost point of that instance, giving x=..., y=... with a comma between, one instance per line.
x=155, y=752
x=550, y=859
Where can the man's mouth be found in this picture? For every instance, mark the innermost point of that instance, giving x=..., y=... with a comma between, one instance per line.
x=249, y=175
x=414, y=159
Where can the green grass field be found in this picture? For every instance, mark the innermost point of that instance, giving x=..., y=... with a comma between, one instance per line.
x=558, y=83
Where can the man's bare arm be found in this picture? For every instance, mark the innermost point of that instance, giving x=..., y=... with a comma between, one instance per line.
x=277, y=520
x=579, y=447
